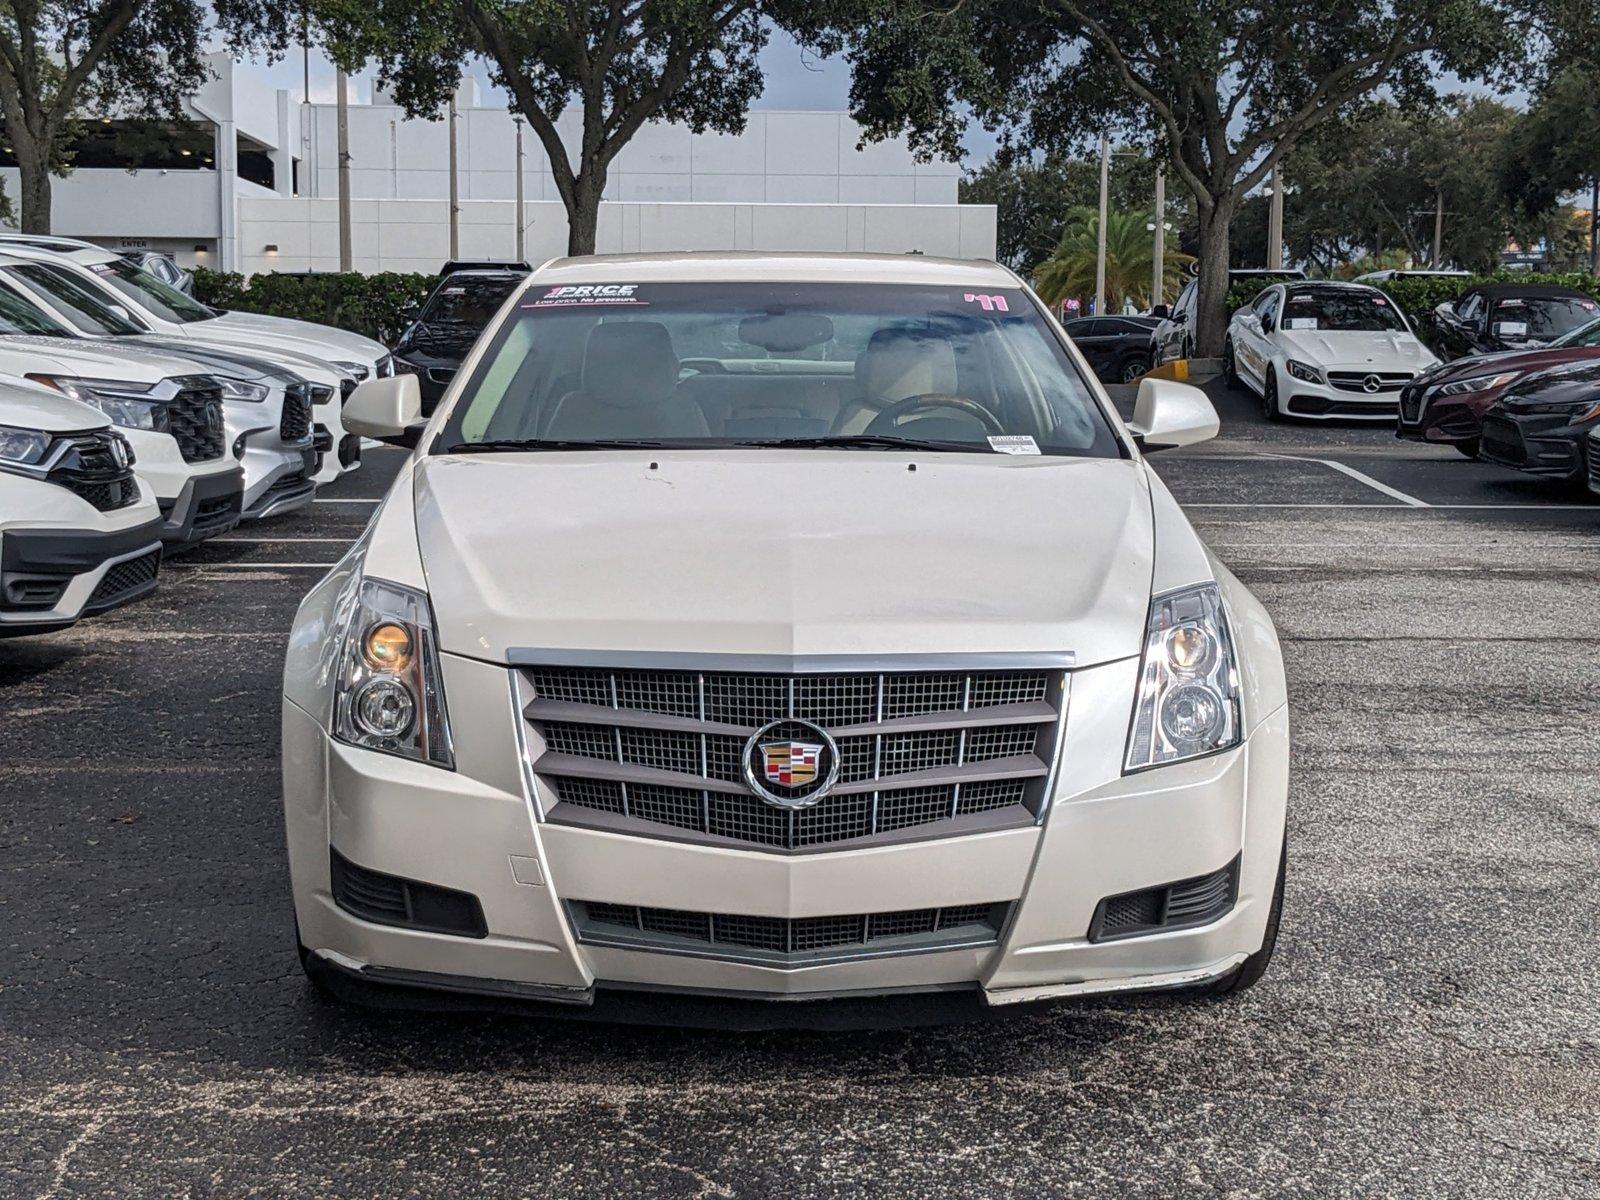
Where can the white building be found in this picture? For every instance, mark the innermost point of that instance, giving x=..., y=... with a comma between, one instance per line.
x=252, y=185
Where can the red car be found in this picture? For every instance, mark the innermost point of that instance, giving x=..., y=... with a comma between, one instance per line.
x=1445, y=405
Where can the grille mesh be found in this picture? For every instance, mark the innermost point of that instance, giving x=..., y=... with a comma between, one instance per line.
x=194, y=419
x=799, y=936
x=295, y=422
x=1187, y=903
x=126, y=577
x=677, y=723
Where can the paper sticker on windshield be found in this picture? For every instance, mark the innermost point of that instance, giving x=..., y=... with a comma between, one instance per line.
x=1300, y=323
x=1013, y=443
x=581, y=295
x=1588, y=305
x=1511, y=328
x=989, y=303
x=1379, y=301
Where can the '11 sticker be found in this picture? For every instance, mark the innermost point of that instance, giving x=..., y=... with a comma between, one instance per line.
x=987, y=303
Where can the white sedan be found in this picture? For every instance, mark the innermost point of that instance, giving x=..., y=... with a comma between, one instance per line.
x=1324, y=350
x=887, y=667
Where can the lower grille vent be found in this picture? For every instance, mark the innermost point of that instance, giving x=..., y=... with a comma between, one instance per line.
x=126, y=579
x=391, y=900
x=780, y=940
x=1189, y=902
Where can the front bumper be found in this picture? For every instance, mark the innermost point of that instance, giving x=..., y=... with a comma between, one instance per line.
x=1105, y=834
x=51, y=578
x=1325, y=402
x=1542, y=444
x=208, y=505
x=1443, y=420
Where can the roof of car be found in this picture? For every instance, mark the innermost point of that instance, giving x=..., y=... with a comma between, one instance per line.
x=722, y=267
x=1497, y=291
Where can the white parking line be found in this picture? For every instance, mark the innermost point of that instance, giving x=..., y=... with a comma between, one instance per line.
x=340, y=500
x=250, y=566
x=1594, y=508
x=264, y=541
x=1372, y=483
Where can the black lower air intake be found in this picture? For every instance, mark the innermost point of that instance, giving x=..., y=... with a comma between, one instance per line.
x=390, y=900
x=1181, y=905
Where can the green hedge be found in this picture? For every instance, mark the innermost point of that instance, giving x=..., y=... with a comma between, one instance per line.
x=1418, y=297
x=368, y=304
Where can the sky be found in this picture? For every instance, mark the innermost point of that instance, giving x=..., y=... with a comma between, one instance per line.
x=795, y=79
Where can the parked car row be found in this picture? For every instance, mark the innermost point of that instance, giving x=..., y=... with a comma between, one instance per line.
x=136, y=421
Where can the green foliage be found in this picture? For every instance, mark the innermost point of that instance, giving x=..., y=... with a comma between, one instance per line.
x=1418, y=296
x=1130, y=260
x=370, y=304
x=1034, y=198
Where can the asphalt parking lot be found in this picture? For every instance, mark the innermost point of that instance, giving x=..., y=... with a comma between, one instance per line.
x=1429, y=1027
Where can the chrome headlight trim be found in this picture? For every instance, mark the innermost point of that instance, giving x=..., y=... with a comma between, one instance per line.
x=1188, y=670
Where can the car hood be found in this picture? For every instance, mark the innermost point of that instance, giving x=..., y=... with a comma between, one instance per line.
x=33, y=406
x=353, y=346
x=93, y=359
x=1511, y=360
x=785, y=553
x=1556, y=384
x=1380, y=351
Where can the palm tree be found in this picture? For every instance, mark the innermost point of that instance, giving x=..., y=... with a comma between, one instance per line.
x=1130, y=260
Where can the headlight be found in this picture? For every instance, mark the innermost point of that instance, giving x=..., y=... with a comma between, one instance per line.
x=119, y=399
x=238, y=389
x=1304, y=371
x=1477, y=383
x=358, y=370
x=1188, y=702
x=390, y=695
x=24, y=447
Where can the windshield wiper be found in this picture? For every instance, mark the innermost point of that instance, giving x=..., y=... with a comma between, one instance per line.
x=494, y=444
x=860, y=441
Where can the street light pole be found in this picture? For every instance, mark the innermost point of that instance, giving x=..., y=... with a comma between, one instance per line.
x=1438, y=230
x=1275, y=224
x=522, y=225
x=1100, y=233
x=455, y=198
x=1158, y=283
x=343, y=108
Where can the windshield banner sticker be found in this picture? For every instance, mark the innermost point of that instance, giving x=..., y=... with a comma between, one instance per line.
x=577, y=295
x=1014, y=443
x=987, y=303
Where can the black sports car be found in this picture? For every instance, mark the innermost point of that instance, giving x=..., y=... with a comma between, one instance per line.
x=1119, y=349
x=448, y=323
x=1540, y=422
x=1510, y=316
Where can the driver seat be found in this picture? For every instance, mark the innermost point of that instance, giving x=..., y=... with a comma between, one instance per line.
x=897, y=364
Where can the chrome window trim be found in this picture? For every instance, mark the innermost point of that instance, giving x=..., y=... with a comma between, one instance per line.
x=800, y=664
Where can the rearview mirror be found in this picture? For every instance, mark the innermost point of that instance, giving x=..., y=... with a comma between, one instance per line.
x=1167, y=415
x=384, y=408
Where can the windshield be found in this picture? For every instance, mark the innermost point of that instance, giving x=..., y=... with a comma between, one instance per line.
x=1342, y=311
x=88, y=309
x=469, y=301
x=144, y=289
x=856, y=365
x=1540, y=318
x=18, y=314
x=1583, y=335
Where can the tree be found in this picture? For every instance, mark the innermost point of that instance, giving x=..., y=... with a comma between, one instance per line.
x=1221, y=89
x=619, y=63
x=1035, y=197
x=1556, y=148
x=59, y=58
x=1130, y=259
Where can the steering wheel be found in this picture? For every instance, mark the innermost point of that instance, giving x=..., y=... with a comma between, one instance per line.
x=885, y=421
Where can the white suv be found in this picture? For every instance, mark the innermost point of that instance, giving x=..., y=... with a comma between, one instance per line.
x=172, y=417
x=79, y=534
x=780, y=627
x=162, y=308
x=79, y=303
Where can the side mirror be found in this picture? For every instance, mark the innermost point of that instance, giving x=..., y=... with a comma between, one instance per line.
x=384, y=408
x=1167, y=415
x=1162, y=311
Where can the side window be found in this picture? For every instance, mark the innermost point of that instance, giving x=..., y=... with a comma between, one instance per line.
x=1473, y=308
x=1261, y=301
x=1089, y=329
x=1269, y=310
x=1186, y=298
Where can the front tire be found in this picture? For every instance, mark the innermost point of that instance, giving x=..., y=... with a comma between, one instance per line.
x=1130, y=370
x=1269, y=397
x=1230, y=368
x=1248, y=973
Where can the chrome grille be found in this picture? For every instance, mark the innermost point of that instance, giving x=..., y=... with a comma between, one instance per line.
x=664, y=750
x=1355, y=381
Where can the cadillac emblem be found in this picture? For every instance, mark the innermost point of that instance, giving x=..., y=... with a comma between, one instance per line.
x=791, y=764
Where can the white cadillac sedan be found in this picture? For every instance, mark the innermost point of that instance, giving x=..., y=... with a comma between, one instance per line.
x=1324, y=350
x=782, y=627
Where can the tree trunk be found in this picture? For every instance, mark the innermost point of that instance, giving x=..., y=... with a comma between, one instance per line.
x=583, y=213
x=34, y=187
x=1211, y=310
